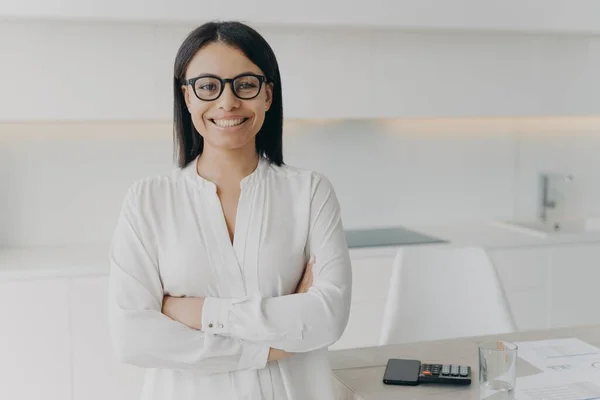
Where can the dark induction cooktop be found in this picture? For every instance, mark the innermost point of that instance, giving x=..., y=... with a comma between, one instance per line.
x=396, y=236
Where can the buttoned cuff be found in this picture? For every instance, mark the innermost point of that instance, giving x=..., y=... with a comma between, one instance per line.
x=215, y=316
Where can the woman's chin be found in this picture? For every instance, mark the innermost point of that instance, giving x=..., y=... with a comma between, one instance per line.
x=233, y=143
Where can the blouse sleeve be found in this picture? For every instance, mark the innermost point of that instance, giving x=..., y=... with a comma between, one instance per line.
x=297, y=322
x=140, y=333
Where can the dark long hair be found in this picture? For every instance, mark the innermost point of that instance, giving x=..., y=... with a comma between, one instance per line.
x=188, y=142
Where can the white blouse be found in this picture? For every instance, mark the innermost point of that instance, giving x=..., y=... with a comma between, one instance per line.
x=171, y=239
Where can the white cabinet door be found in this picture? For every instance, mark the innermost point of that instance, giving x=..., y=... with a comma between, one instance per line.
x=575, y=276
x=524, y=276
x=34, y=340
x=370, y=280
x=97, y=374
x=341, y=87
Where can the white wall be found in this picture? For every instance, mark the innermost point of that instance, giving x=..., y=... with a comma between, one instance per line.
x=76, y=71
x=63, y=183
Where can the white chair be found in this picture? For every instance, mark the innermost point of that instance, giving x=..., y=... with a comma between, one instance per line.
x=441, y=292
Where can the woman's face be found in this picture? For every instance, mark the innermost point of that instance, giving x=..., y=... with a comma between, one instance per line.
x=227, y=122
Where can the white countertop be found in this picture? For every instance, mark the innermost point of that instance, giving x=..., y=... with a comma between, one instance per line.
x=19, y=263
x=491, y=235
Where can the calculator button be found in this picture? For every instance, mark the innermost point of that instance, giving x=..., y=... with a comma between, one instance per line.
x=446, y=370
x=454, y=370
x=427, y=373
x=464, y=371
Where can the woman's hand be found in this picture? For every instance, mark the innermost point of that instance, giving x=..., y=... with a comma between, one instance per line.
x=307, y=277
x=277, y=354
x=187, y=310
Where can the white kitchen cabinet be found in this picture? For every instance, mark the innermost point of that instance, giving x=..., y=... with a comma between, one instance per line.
x=341, y=86
x=574, y=279
x=97, y=374
x=510, y=74
x=344, y=73
x=34, y=340
x=550, y=286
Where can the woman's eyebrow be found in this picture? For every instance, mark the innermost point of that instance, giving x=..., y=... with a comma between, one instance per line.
x=220, y=76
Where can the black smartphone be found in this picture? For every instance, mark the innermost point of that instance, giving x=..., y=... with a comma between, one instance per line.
x=402, y=372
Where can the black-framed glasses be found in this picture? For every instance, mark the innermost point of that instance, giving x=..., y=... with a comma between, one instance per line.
x=210, y=87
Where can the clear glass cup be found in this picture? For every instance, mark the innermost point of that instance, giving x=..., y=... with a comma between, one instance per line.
x=497, y=370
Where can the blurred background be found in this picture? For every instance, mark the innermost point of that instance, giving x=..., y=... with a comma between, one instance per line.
x=473, y=122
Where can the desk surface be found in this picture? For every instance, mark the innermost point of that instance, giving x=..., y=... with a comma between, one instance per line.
x=359, y=372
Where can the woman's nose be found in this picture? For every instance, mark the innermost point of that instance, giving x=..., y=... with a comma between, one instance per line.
x=228, y=99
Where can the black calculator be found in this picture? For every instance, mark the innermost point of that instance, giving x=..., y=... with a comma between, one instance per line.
x=413, y=372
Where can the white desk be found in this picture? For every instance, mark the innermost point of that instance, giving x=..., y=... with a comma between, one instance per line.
x=359, y=372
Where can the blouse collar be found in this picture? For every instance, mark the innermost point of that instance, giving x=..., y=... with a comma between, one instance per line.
x=190, y=171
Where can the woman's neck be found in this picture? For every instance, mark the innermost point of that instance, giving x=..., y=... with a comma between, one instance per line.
x=227, y=167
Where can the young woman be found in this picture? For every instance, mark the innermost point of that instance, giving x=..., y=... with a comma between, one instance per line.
x=231, y=277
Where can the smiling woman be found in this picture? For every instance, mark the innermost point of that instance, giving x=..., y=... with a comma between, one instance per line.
x=210, y=61
x=229, y=118
x=231, y=277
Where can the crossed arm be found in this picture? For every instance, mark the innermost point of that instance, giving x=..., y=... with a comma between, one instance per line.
x=188, y=310
x=150, y=330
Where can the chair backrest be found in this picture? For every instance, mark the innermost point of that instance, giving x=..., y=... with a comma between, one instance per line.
x=440, y=292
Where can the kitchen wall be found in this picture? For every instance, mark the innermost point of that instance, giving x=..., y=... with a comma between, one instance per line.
x=411, y=127
x=63, y=183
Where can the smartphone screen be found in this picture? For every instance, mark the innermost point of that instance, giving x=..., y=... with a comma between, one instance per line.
x=402, y=372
